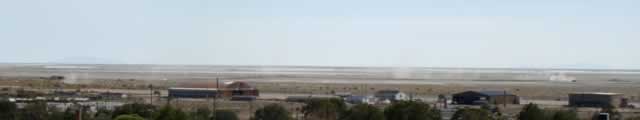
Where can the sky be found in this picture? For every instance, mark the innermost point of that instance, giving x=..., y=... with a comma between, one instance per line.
x=598, y=34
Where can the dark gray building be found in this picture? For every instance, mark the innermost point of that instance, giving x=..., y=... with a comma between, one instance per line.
x=595, y=99
x=485, y=97
x=193, y=92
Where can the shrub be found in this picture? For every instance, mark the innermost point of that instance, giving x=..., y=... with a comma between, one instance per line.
x=471, y=114
x=411, y=110
x=272, y=112
x=363, y=112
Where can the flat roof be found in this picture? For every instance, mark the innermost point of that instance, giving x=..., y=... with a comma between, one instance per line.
x=488, y=92
x=597, y=93
x=193, y=89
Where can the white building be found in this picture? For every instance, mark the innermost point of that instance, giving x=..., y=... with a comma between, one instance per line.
x=359, y=99
x=391, y=95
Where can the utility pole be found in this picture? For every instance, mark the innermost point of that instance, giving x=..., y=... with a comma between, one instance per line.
x=250, y=109
x=79, y=113
x=504, y=97
x=216, y=97
x=151, y=94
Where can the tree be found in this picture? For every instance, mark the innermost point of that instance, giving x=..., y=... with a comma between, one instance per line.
x=471, y=114
x=324, y=109
x=613, y=113
x=56, y=114
x=486, y=107
x=128, y=117
x=411, y=110
x=201, y=114
x=565, y=115
x=8, y=110
x=531, y=112
x=497, y=114
x=272, y=112
x=633, y=118
x=103, y=114
x=363, y=112
x=169, y=113
x=140, y=109
x=225, y=115
x=34, y=111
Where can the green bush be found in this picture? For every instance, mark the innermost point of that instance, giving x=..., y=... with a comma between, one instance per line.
x=169, y=113
x=128, y=117
x=324, y=109
x=201, y=114
x=363, y=112
x=471, y=114
x=225, y=115
x=272, y=112
x=8, y=110
x=144, y=110
x=411, y=110
x=34, y=111
x=531, y=112
x=565, y=115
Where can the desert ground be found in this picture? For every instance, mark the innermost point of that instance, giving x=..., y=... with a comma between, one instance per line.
x=545, y=84
x=548, y=87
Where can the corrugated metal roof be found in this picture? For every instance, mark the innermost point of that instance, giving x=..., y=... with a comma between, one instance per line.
x=597, y=93
x=193, y=89
x=494, y=93
x=486, y=93
x=388, y=92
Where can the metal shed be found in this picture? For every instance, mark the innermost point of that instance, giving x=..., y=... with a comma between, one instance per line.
x=193, y=92
x=485, y=97
x=595, y=99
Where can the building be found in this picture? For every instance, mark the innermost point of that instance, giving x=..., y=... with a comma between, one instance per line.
x=8, y=91
x=343, y=94
x=240, y=89
x=230, y=90
x=310, y=98
x=112, y=95
x=193, y=92
x=243, y=98
x=596, y=99
x=391, y=95
x=485, y=97
x=359, y=99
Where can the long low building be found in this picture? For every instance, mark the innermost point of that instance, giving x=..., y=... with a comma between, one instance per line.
x=193, y=92
x=230, y=90
x=485, y=97
x=310, y=98
x=596, y=99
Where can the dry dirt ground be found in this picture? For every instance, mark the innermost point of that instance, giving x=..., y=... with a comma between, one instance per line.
x=544, y=86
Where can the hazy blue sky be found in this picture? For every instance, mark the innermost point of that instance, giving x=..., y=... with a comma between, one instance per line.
x=427, y=33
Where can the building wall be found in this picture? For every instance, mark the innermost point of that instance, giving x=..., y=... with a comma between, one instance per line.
x=211, y=93
x=400, y=96
x=192, y=93
x=245, y=92
x=594, y=100
x=509, y=99
x=391, y=97
x=469, y=98
x=466, y=100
